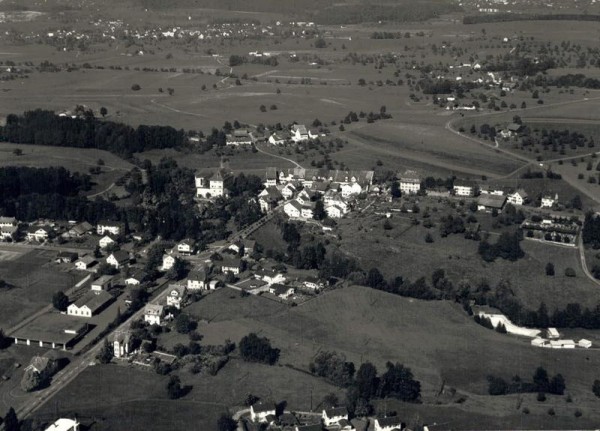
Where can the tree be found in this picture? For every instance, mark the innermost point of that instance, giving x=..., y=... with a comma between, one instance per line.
x=570, y=272
x=497, y=386
x=375, y=279
x=367, y=381
x=395, y=190
x=320, y=43
x=226, y=423
x=105, y=354
x=540, y=380
x=263, y=108
x=31, y=380
x=60, y=301
x=398, y=382
x=174, y=389
x=136, y=87
x=596, y=388
x=11, y=422
x=250, y=399
x=18, y=152
x=550, y=269
x=557, y=385
x=103, y=111
x=4, y=340
x=184, y=325
x=258, y=349
x=319, y=211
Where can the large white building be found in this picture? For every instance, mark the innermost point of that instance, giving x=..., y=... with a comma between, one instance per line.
x=210, y=186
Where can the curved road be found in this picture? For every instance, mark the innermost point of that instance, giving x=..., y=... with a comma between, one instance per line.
x=279, y=157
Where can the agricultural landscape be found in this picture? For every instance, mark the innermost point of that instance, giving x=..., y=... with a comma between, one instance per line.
x=299, y=215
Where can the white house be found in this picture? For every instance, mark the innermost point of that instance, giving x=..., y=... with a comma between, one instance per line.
x=187, y=247
x=176, y=295
x=388, y=424
x=270, y=277
x=85, y=262
x=410, y=185
x=8, y=221
x=118, y=259
x=103, y=283
x=299, y=133
x=210, y=185
x=292, y=209
x=334, y=415
x=260, y=410
x=136, y=278
x=278, y=138
x=233, y=265
x=153, y=314
x=334, y=211
x=168, y=262
x=281, y=290
x=313, y=283
x=64, y=424
x=238, y=137
x=104, y=228
x=548, y=201
x=270, y=177
x=518, y=198
x=89, y=304
x=198, y=279
x=122, y=343
x=307, y=211
x=105, y=241
x=288, y=191
x=464, y=188
x=38, y=233
x=350, y=189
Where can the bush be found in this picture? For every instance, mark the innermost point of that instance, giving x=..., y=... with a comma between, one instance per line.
x=551, y=411
x=541, y=397
x=136, y=87
x=525, y=411
x=256, y=349
x=578, y=413
x=570, y=272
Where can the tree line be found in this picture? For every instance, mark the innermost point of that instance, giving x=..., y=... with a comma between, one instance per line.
x=506, y=17
x=540, y=383
x=41, y=127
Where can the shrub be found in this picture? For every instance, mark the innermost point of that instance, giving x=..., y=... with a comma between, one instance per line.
x=570, y=272
x=541, y=397
x=136, y=87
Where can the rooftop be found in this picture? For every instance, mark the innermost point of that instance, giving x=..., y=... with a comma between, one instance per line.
x=94, y=300
x=51, y=327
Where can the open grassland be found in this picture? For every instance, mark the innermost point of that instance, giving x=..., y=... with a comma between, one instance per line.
x=73, y=159
x=33, y=280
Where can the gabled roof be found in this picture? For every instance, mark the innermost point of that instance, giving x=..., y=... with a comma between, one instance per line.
x=93, y=300
x=153, y=309
x=102, y=280
x=521, y=193
x=280, y=289
x=87, y=259
x=8, y=220
x=493, y=201
x=82, y=228
x=121, y=256
x=34, y=229
x=300, y=128
x=390, y=421
x=271, y=173
x=465, y=183
x=263, y=407
x=336, y=411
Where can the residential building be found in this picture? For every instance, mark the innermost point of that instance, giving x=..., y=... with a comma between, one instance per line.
x=388, y=424
x=85, y=262
x=106, y=241
x=108, y=227
x=282, y=291
x=410, y=183
x=464, y=188
x=279, y=138
x=548, y=200
x=299, y=133
x=39, y=233
x=307, y=211
x=268, y=198
x=334, y=415
x=230, y=264
x=81, y=229
x=270, y=276
x=239, y=137
x=350, y=189
x=198, y=279
x=271, y=177
x=313, y=283
x=186, y=247
x=136, y=278
x=64, y=424
x=8, y=221
x=306, y=196
x=66, y=257
x=176, y=296
x=210, y=186
x=90, y=304
x=518, y=198
x=103, y=283
x=118, y=259
x=334, y=211
x=168, y=261
x=9, y=233
x=260, y=410
x=313, y=133
x=288, y=191
x=489, y=202
x=153, y=314
x=122, y=343
x=311, y=427
x=491, y=190
x=293, y=209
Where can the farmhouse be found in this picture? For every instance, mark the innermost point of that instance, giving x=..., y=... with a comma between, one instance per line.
x=271, y=177
x=548, y=200
x=279, y=138
x=334, y=415
x=210, y=185
x=518, y=198
x=260, y=410
x=198, y=279
x=464, y=188
x=81, y=229
x=313, y=283
x=39, y=233
x=85, y=262
x=103, y=283
x=410, y=183
x=90, y=304
x=8, y=221
x=186, y=247
x=64, y=424
x=388, y=424
x=230, y=264
x=153, y=314
x=105, y=241
x=292, y=209
x=104, y=228
x=66, y=257
x=282, y=291
x=9, y=233
x=122, y=343
x=299, y=133
x=489, y=203
x=176, y=295
x=118, y=259
x=239, y=137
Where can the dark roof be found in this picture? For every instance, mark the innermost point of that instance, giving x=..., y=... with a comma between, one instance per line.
x=271, y=173
x=121, y=256
x=464, y=183
x=279, y=288
x=514, y=127
x=68, y=254
x=391, y=421
x=313, y=427
x=336, y=411
x=492, y=201
x=94, y=300
x=263, y=406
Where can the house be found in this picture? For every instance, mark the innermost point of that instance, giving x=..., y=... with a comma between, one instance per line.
x=334, y=415
x=64, y=424
x=388, y=424
x=350, y=189
x=410, y=183
x=260, y=410
x=518, y=198
x=81, y=229
x=271, y=177
x=548, y=200
x=514, y=129
x=8, y=221
x=90, y=304
x=489, y=202
x=282, y=291
x=299, y=133
x=39, y=233
x=307, y=211
x=293, y=209
x=464, y=188
x=268, y=198
x=118, y=259
x=136, y=278
x=491, y=190
x=66, y=257
x=106, y=241
x=552, y=333
x=186, y=247
x=153, y=314
x=313, y=133
x=168, y=261
x=313, y=283
x=8, y=233
x=122, y=343
x=239, y=137
x=270, y=276
x=311, y=427
x=103, y=283
x=108, y=227
x=198, y=279
x=305, y=197
x=176, y=296
x=85, y=262
x=586, y=344
x=230, y=264
x=209, y=186
x=346, y=425
x=288, y=191
x=334, y=211
x=279, y=138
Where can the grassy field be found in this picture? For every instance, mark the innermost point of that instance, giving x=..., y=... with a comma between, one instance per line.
x=35, y=280
x=79, y=160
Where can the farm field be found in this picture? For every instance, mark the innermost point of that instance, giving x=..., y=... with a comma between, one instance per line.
x=33, y=281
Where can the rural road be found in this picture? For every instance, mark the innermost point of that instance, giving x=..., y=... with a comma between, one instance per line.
x=260, y=150
x=584, y=266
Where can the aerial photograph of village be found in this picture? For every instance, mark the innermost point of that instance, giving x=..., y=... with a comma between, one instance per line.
x=299, y=215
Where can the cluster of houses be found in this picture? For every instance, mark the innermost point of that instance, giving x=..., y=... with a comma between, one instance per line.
x=298, y=189
x=552, y=229
x=296, y=134
x=334, y=418
x=553, y=341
